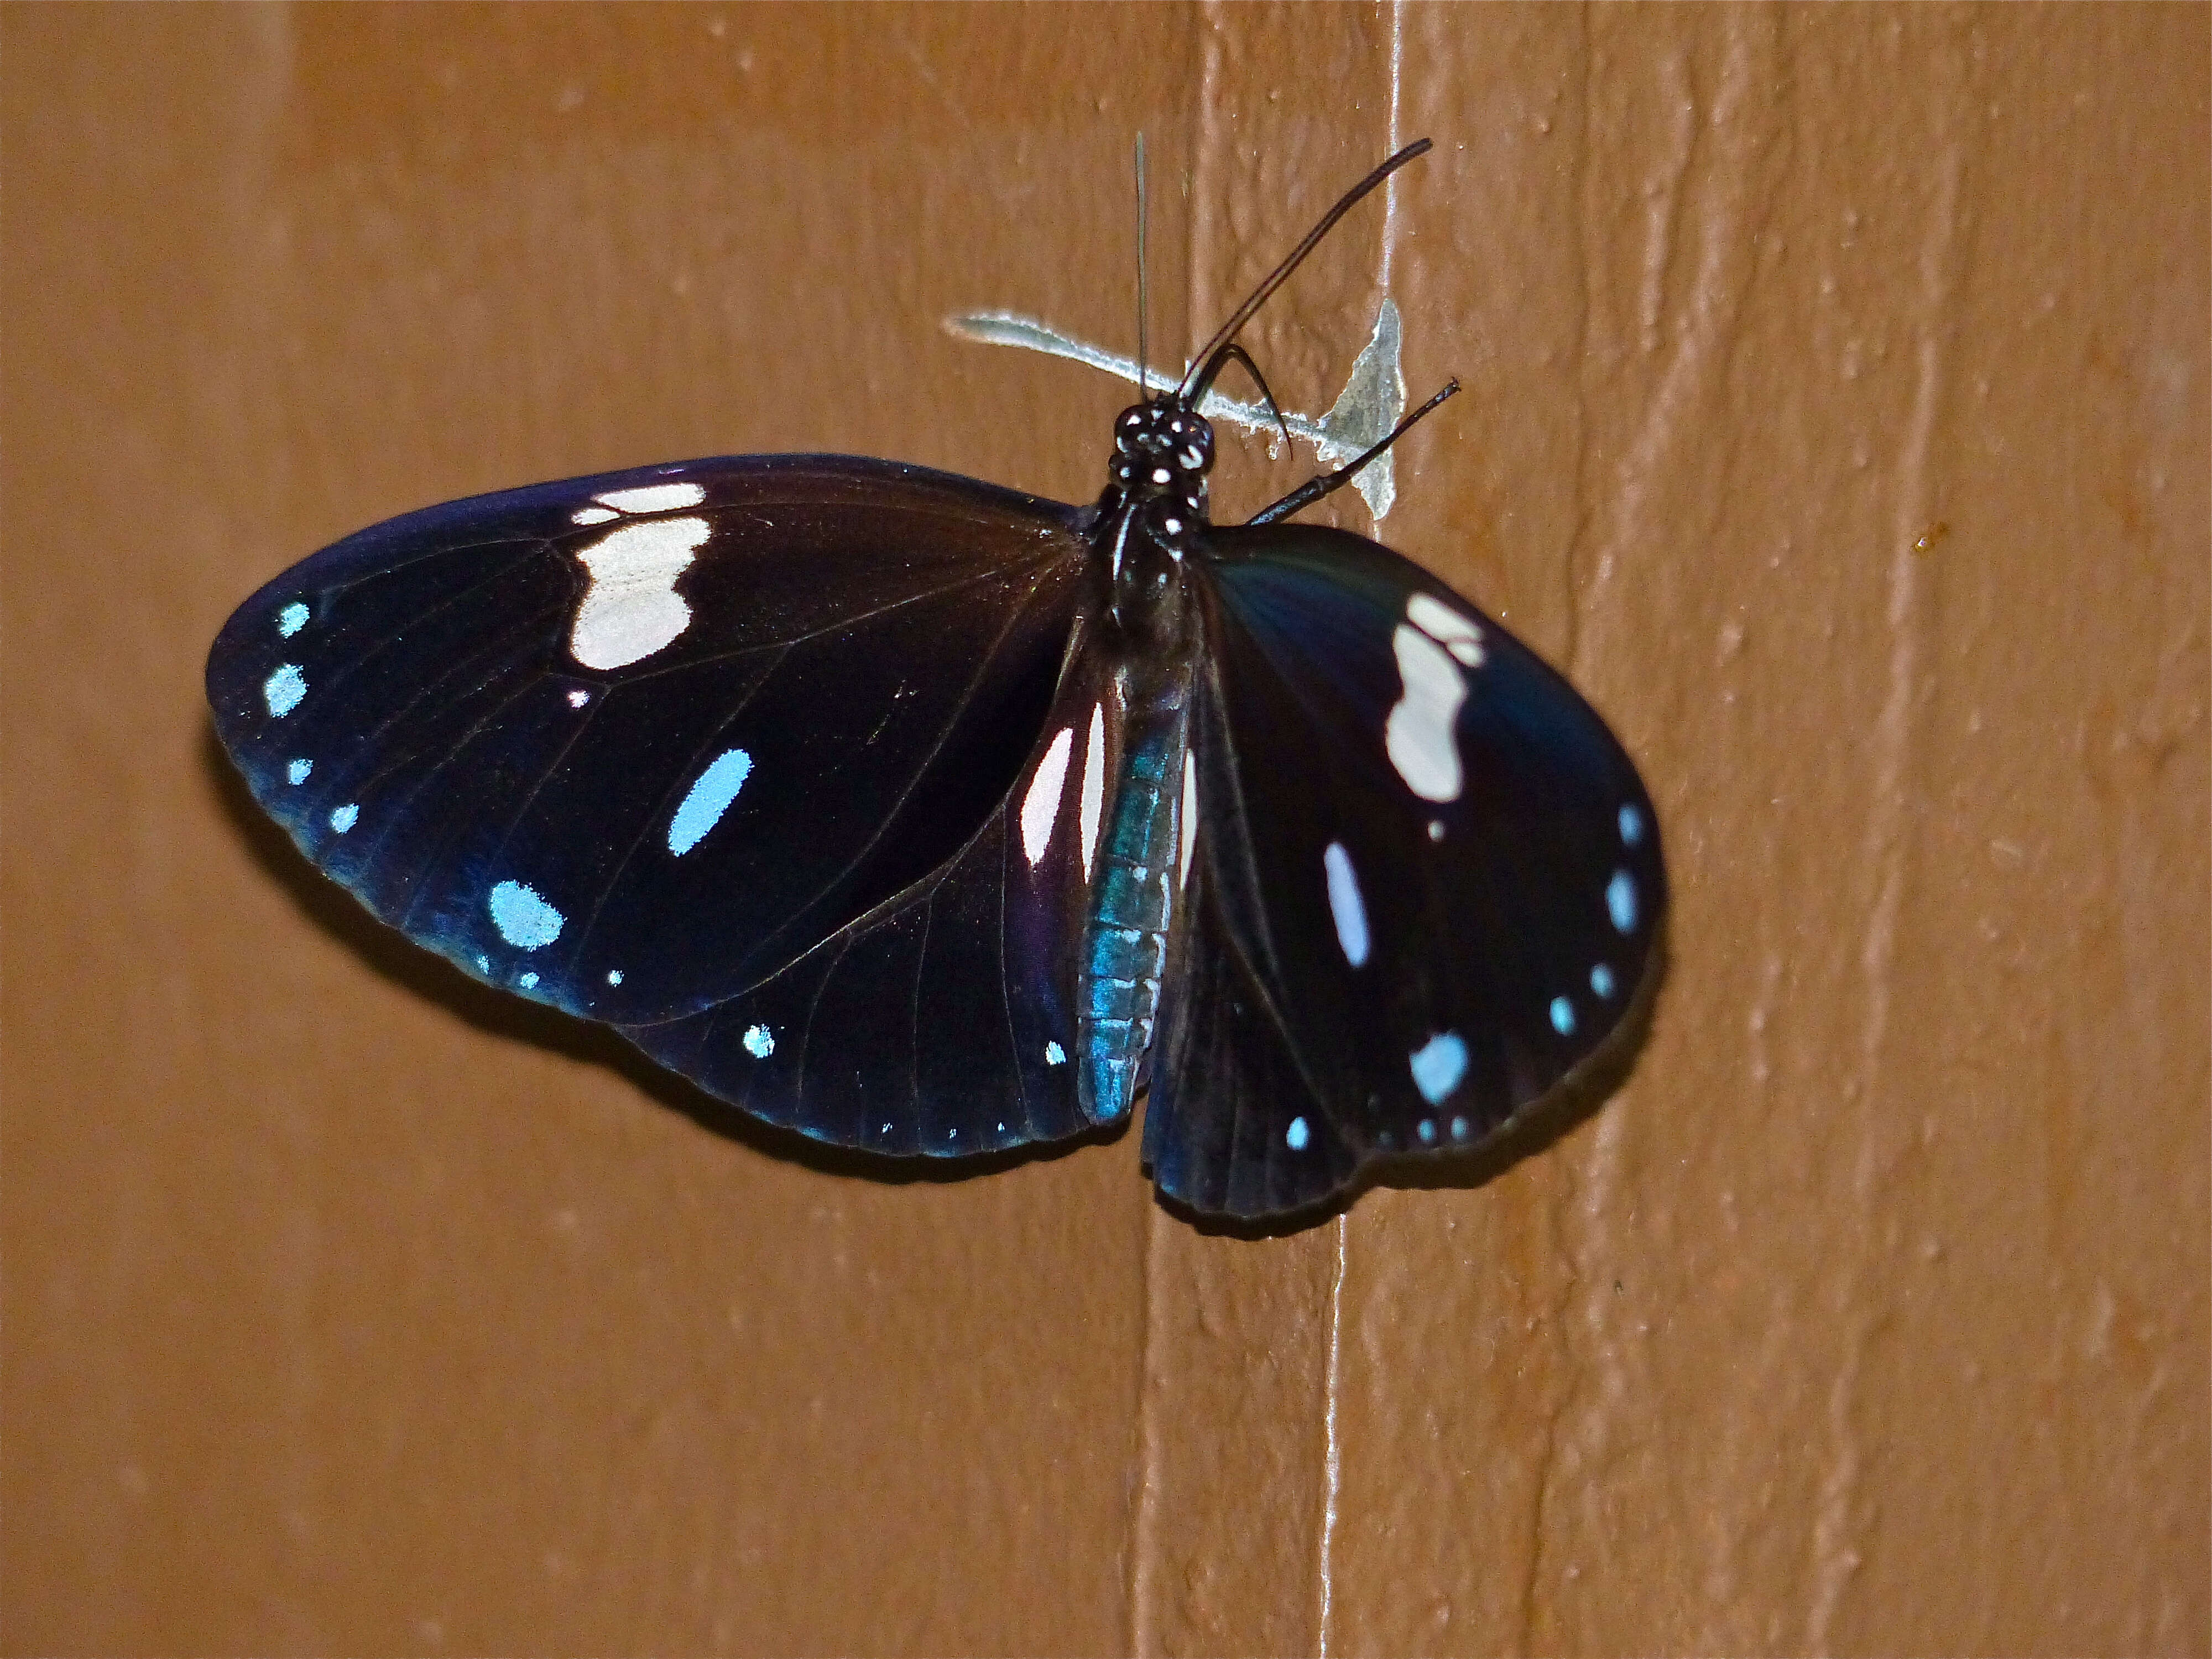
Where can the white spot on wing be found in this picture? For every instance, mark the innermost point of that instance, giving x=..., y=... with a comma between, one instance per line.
x=291, y=619
x=296, y=772
x=1458, y=635
x=760, y=1042
x=709, y=799
x=631, y=609
x=1041, y=806
x=654, y=498
x=1620, y=901
x=614, y=975
x=578, y=698
x=1418, y=735
x=283, y=689
x=592, y=515
x=1438, y=1065
x=524, y=919
x=343, y=818
x=1055, y=1054
x=1190, y=816
x=1345, y=903
x=1094, y=784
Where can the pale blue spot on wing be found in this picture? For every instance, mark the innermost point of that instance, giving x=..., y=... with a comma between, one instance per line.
x=283, y=689
x=528, y=981
x=1601, y=980
x=1055, y=1054
x=1620, y=901
x=1427, y=1130
x=343, y=818
x=524, y=919
x=1563, y=1017
x=614, y=975
x=291, y=619
x=1438, y=1065
x=1632, y=826
x=1345, y=903
x=296, y=771
x=709, y=797
x=760, y=1042
x=1298, y=1134
x=1460, y=1126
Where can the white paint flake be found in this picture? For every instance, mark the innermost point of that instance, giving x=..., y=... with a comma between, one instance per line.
x=1345, y=903
x=632, y=609
x=709, y=799
x=1041, y=805
x=1418, y=735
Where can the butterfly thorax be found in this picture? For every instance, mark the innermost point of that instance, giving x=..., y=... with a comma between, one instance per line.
x=1154, y=506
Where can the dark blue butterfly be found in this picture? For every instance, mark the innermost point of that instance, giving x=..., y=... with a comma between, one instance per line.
x=924, y=816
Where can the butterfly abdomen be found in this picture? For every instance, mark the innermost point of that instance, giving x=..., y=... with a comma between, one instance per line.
x=1133, y=892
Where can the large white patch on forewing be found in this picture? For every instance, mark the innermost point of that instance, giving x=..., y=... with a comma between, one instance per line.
x=632, y=609
x=1417, y=736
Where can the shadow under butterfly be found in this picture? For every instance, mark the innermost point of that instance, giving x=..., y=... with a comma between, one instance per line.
x=925, y=818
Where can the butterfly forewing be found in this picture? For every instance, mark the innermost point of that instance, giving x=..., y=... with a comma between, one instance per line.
x=1427, y=879
x=642, y=744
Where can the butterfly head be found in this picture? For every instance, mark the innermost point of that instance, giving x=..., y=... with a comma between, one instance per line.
x=1162, y=453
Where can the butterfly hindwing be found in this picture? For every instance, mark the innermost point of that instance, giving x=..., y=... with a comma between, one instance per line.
x=1426, y=884
x=647, y=745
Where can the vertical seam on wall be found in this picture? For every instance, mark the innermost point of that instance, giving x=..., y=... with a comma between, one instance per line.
x=1144, y=1549
x=1333, y=1467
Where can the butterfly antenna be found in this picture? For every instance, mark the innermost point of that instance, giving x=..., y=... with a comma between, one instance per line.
x=1144, y=378
x=1205, y=367
x=1314, y=488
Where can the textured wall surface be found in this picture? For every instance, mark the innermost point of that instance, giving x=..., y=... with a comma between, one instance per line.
x=1836, y=413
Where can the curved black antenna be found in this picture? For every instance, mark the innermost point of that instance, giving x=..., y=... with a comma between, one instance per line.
x=1233, y=353
x=1144, y=381
x=1314, y=488
x=1203, y=367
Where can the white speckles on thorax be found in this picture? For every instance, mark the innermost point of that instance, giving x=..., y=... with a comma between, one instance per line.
x=1345, y=903
x=1041, y=805
x=524, y=919
x=707, y=798
x=283, y=691
x=632, y=609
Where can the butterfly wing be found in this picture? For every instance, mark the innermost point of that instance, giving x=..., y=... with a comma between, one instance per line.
x=1426, y=886
x=637, y=745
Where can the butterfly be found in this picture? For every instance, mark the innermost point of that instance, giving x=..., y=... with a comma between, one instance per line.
x=925, y=817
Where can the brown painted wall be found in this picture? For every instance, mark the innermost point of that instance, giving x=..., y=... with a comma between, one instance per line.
x=345, y=1310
